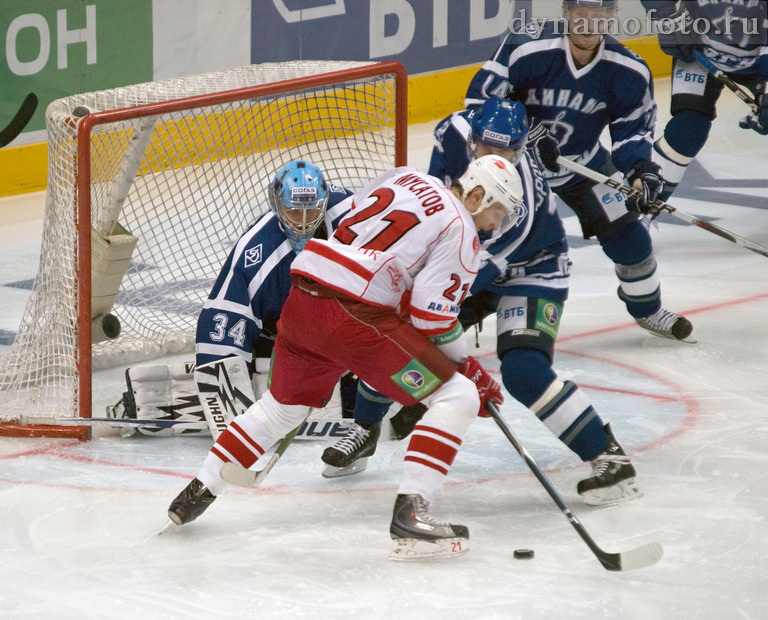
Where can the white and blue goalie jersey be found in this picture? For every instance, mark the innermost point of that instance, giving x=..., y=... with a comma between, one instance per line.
x=252, y=286
x=615, y=90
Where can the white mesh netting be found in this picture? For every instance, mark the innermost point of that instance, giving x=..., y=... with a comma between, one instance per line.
x=186, y=184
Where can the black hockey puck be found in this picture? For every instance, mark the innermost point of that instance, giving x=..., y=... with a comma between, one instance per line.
x=523, y=554
x=81, y=111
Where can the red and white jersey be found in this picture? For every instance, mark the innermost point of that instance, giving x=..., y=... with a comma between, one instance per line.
x=407, y=243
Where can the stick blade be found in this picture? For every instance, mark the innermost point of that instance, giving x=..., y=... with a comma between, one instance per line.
x=19, y=121
x=237, y=475
x=640, y=557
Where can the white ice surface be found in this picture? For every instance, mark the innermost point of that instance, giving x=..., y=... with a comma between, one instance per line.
x=78, y=521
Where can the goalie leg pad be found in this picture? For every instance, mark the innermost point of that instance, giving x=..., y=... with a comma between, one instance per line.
x=162, y=392
x=225, y=391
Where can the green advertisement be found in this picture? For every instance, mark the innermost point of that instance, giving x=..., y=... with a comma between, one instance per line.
x=55, y=48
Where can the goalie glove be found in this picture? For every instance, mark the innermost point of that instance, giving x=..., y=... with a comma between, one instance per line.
x=544, y=148
x=759, y=120
x=677, y=37
x=487, y=388
x=645, y=177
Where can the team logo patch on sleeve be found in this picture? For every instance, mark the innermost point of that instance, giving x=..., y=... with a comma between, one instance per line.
x=252, y=256
x=416, y=379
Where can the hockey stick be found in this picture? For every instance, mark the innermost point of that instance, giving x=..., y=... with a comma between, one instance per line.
x=129, y=422
x=720, y=76
x=639, y=557
x=663, y=206
x=19, y=121
x=235, y=474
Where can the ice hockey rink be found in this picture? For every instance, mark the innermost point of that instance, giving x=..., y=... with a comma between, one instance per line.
x=79, y=521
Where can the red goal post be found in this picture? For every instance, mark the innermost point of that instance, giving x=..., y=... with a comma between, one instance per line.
x=149, y=185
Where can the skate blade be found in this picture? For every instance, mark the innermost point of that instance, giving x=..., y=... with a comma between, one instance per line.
x=170, y=525
x=417, y=550
x=329, y=471
x=623, y=492
x=690, y=339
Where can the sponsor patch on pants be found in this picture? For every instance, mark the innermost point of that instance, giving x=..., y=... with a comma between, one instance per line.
x=689, y=79
x=416, y=379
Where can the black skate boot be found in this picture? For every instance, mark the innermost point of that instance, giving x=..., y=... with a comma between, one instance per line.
x=417, y=536
x=668, y=325
x=350, y=454
x=612, y=479
x=405, y=419
x=190, y=503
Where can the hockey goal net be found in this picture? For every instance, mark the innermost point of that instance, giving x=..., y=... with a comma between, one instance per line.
x=148, y=187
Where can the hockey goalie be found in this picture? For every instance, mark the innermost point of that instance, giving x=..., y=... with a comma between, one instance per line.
x=238, y=322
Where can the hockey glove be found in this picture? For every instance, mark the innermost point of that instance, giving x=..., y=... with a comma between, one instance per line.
x=759, y=120
x=646, y=178
x=487, y=388
x=544, y=148
x=677, y=37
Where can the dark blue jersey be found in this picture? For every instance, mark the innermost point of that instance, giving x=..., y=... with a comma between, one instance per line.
x=531, y=258
x=615, y=90
x=252, y=286
x=732, y=33
x=450, y=153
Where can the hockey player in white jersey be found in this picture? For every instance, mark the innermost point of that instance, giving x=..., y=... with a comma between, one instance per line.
x=382, y=298
x=733, y=36
x=524, y=282
x=575, y=85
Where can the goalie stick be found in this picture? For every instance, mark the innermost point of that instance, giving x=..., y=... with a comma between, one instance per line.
x=240, y=476
x=721, y=77
x=639, y=557
x=19, y=120
x=128, y=422
x=663, y=206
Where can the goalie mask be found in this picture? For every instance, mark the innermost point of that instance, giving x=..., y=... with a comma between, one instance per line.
x=502, y=185
x=298, y=196
x=499, y=127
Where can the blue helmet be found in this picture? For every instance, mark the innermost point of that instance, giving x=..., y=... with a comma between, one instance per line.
x=501, y=123
x=298, y=196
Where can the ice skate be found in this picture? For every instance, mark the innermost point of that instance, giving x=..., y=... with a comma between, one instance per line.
x=190, y=503
x=668, y=325
x=612, y=479
x=417, y=536
x=350, y=454
x=406, y=419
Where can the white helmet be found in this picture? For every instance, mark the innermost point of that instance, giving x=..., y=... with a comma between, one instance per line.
x=501, y=183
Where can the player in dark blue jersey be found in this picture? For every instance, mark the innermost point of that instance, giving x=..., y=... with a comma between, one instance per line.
x=576, y=85
x=733, y=35
x=240, y=315
x=523, y=280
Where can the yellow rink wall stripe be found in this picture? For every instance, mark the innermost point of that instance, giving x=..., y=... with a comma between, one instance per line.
x=430, y=97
